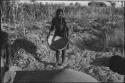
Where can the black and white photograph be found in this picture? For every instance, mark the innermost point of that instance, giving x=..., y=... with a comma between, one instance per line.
x=60, y=41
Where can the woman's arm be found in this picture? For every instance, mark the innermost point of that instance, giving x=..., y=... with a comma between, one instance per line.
x=52, y=27
x=67, y=30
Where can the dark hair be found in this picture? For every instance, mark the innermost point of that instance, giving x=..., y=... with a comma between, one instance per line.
x=58, y=11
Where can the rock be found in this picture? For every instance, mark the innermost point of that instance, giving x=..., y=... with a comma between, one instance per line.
x=9, y=77
x=90, y=71
x=102, y=73
x=69, y=75
x=49, y=67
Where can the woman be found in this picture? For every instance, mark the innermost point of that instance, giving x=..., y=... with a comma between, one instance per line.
x=61, y=29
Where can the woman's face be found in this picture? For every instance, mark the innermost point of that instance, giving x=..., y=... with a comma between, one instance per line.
x=61, y=14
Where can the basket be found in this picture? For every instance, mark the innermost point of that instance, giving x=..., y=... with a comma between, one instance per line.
x=58, y=43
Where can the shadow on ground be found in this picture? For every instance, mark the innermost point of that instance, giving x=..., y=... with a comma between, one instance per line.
x=94, y=46
x=101, y=62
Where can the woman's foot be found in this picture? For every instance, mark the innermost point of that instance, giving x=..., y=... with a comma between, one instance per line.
x=64, y=62
x=58, y=64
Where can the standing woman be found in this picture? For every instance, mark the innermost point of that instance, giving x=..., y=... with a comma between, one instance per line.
x=61, y=29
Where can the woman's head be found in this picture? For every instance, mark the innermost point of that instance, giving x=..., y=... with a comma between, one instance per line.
x=59, y=13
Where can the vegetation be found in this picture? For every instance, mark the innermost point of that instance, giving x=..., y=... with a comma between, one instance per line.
x=94, y=32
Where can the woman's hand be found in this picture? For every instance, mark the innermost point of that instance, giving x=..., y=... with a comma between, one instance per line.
x=47, y=37
x=53, y=38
